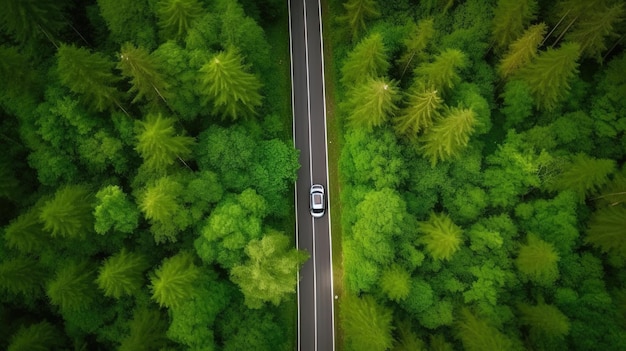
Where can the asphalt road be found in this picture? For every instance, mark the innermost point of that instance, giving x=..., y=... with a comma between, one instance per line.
x=315, y=287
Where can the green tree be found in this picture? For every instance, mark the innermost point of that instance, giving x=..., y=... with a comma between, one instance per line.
x=537, y=260
x=549, y=74
x=478, y=335
x=21, y=275
x=395, y=282
x=25, y=233
x=72, y=287
x=442, y=73
x=594, y=27
x=357, y=12
x=158, y=144
x=449, y=136
x=69, y=213
x=146, y=77
x=373, y=103
x=421, y=112
x=129, y=21
x=544, y=319
x=269, y=274
x=420, y=35
x=522, y=51
x=510, y=19
x=114, y=211
x=226, y=82
x=367, y=324
x=174, y=281
x=36, y=337
x=518, y=103
x=367, y=60
x=584, y=175
x=176, y=17
x=147, y=331
x=606, y=230
x=89, y=75
x=32, y=19
x=440, y=235
x=122, y=274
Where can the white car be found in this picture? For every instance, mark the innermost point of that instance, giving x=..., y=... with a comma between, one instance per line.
x=318, y=203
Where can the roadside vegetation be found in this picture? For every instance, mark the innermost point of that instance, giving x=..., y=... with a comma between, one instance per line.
x=146, y=176
x=483, y=186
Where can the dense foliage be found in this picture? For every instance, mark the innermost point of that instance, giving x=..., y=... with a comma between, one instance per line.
x=483, y=184
x=146, y=176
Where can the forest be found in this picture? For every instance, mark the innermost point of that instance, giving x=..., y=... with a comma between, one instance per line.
x=482, y=176
x=146, y=176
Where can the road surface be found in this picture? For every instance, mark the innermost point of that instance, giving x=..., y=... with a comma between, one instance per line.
x=315, y=287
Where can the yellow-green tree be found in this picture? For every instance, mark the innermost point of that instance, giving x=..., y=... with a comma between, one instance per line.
x=594, y=27
x=159, y=144
x=25, y=233
x=69, y=213
x=177, y=16
x=367, y=324
x=522, y=51
x=537, y=260
x=441, y=74
x=367, y=60
x=449, y=135
x=146, y=331
x=423, y=108
x=510, y=19
x=122, y=274
x=395, y=282
x=146, y=77
x=420, y=35
x=584, y=175
x=72, y=287
x=607, y=230
x=357, y=12
x=440, y=235
x=477, y=334
x=35, y=337
x=544, y=320
x=373, y=103
x=174, y=281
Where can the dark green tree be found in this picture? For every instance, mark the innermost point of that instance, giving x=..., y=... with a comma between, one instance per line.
x=129, y=21
x=584, y=175
x=226, y=82
x=72, y=287
x=606, y=230
x=176, y=17
x=25, y=233
x=373, y=103
x=367, y=60
x=88, y=74
x=122, y=274
x=510, y=19
x=145, y=74
x=449, y=136
x=32, y=19
x=478, y=335
x=36, y=337
x=537, y=260
x=269, y=274
x=441, y=74
x=114, y=211
x=21, y=275
x=69, y=213
x=420, y=36
x=147, y=331
x=357, y=12
x=594, y=27
x=159, y=144
x=367, y=324
x=174, y=281
x=441, y=236
x=548, y=76
x=421, y=112
x=544, y=320
x=522, y=51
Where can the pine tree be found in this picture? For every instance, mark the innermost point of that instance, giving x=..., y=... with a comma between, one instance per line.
x=72, y=288
x=158, y=144
x=367, y=60
x=68, y=214
x=449, y=136
x=32, y=19
x=177, y=16
x=162, y=205
x=441, y=74
x=395, y=282
x=357, y=12
x=373, y=103
x=538, y=260
x=594, y=27
x=441, y=236
x=89, y=75
x=477, y=335
x=174, y=281
x=21, y=275
x=421, y=112
x=25, y=233
x=510, y=19
x=226, y=82
x=607, y=230
x=36, y=337
x=544, y=319
x=147, y=331
x=122, y=274
x=367, y=324
x=549, y=74
x=420, y=35
x=522, y=51
x=584, y=175
x=145, y=75
x=270, y=273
